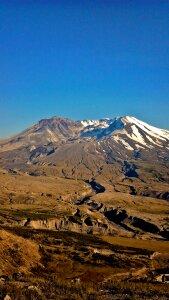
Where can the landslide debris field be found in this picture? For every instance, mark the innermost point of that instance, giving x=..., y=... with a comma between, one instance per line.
x=84, y=206
x=69, y=238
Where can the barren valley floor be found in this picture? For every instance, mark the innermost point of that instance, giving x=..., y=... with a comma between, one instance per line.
x=76, y=239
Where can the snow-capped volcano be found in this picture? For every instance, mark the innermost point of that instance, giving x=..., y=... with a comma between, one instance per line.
x=118, y=137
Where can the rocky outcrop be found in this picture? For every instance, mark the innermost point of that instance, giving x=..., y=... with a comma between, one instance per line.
x=111, y=221
x=144, y=225
x=72, y=223
x=115, y=215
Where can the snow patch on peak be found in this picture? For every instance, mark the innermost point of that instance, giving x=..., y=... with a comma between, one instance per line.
x=123, y=142
x=136, y=135
x=102, y=123
x=148, y=129
x=87, y=123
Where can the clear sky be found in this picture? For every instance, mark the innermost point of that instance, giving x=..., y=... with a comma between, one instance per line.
x=83, y=59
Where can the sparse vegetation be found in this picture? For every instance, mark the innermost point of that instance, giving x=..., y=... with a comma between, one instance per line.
x=65, y=238
x=62, y=263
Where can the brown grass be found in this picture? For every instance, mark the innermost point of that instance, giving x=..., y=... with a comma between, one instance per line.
x=17, y=254
x=159, y=246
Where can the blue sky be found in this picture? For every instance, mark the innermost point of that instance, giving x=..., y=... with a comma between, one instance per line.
x=83, y=59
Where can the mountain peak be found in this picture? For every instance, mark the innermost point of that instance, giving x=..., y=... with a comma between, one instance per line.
x=117, y=137
x=54, y=119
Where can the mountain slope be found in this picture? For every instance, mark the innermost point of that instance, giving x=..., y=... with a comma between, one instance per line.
x=105, y=139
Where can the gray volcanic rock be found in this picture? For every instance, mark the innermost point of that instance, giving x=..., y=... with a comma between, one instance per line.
x=88, y=146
